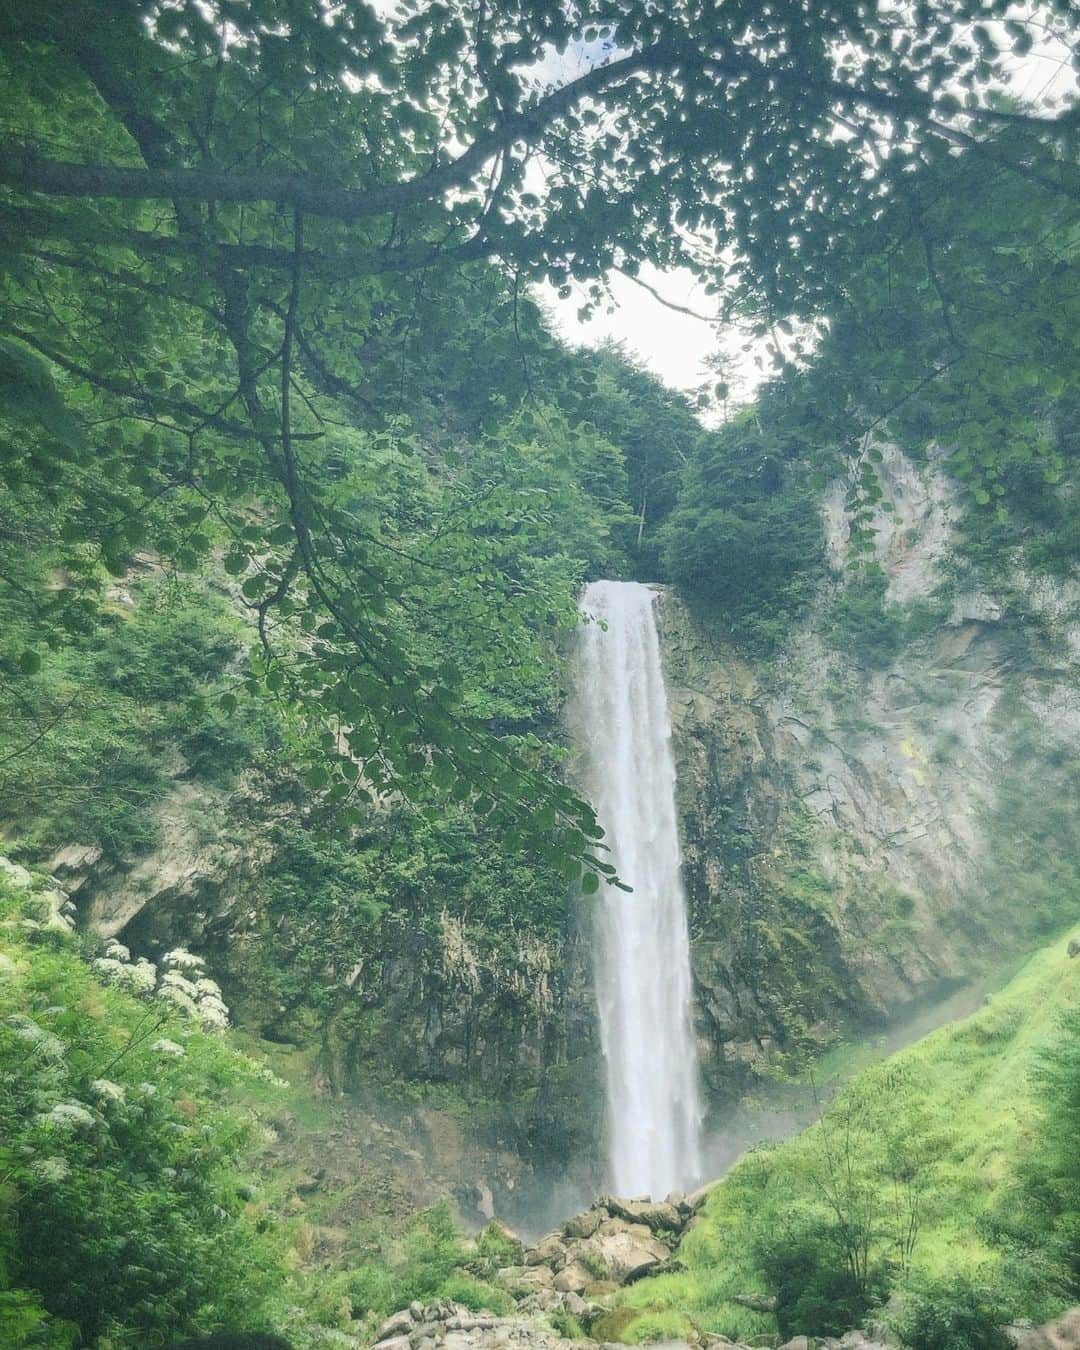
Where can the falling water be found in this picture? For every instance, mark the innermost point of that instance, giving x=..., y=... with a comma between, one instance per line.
x=642, y=949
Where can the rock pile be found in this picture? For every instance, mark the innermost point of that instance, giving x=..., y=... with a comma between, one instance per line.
x=613, y=1243
x=451, y=1326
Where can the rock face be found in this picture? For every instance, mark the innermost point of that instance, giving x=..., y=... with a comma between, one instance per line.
x=857, y=831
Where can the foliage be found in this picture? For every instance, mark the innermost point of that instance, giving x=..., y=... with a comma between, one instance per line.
x=815, y=1290
x=959, y=1314
x=431, y=1260
x=1039, y=1218
x=223, y=227
x=746, y=536
x=657, y=431
x=937, y=1134
x=120, y=1209
x=119, y=712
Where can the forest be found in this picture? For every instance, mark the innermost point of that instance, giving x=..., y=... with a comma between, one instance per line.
x=301, y=481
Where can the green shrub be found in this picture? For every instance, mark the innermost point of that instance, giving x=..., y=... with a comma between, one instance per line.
x=959, y=1314
x=119, y=1212
x=816, y=1292
x=428, y=1262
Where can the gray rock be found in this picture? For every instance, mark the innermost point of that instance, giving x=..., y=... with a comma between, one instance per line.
x=653, y=1216
x=764, y=1303
x=574, y=1278
x=1063, y=1333
x=576, y=1306
x=1074, y=947
x=549, y=1251
x=585, y=1225
x=625, y=1253
x=524, y=1279
x=398, y=1324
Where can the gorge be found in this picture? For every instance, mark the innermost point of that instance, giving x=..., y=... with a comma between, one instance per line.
x=454, y=785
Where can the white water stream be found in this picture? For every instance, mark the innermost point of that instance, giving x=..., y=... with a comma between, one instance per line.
x=641, y=943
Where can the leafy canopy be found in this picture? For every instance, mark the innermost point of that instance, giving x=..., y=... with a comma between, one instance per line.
x=214, y=216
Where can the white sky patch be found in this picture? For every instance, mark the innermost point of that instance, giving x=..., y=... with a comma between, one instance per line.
x=673, y=345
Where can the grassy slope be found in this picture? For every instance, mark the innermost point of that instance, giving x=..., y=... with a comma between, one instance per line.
x=966, y=1104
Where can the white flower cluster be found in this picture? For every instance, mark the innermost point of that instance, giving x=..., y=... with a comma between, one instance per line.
x=117, y=967
x=180, y=981
x=163, y=1046
x=68, y=1116
x=52, y=1169
x=39, y=1041
x=107, y=1091
x=193, y=992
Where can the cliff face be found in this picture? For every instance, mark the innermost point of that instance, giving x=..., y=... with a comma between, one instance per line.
x=861, y=834
x=870, y=820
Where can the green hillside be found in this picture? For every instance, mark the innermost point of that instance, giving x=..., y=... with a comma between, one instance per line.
x=942, y=1149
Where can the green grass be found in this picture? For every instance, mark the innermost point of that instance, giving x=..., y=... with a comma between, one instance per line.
x=959, y=1103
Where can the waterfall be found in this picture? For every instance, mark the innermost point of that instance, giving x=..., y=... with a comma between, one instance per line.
x=641, y=941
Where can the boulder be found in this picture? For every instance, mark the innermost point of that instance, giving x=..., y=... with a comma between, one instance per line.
x=1074, y=946
x=1063, y=1333
x=574, y=1278
x=653, y=1216
x=549, y=1251
x=585, y=1225
x=524, y=1279
x=399, y=1324
x=576, y=1306
x=626, y=1254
